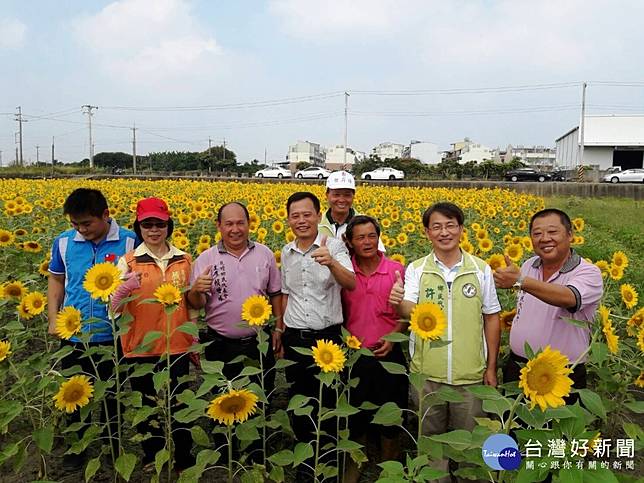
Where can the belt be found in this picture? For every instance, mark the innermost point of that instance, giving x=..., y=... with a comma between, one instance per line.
x=214, y=335
x=331, y=331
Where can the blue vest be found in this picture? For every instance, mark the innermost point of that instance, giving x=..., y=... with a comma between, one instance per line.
x=79, y=255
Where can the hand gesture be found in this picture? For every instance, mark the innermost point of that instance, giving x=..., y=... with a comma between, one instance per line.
x=203, y=283
x=397, y=291
x=383, y=349
x=322, y=254
x=506, y=277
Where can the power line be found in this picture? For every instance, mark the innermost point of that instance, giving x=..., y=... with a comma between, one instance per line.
x=477, y=90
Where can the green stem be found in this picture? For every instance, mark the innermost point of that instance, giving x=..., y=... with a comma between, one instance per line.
x=168, y=424
x=262, y=405
x=117, y=371
x=317, y=432
x=421, y=398
x=230, y=454
x=507, y=425
x=24, y=392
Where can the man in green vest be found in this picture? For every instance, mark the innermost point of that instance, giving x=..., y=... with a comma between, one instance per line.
x=463, y=286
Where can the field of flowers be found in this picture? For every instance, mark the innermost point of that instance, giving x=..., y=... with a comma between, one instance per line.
x=33, y=435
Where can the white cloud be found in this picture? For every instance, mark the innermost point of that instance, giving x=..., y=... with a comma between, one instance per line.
x=150, y=42
x=12, y=33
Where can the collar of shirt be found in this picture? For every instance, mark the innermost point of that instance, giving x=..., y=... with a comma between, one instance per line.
x=112, y=233
x=221, y=248
x=569, y=265
x=173, y=251
x=444, y=268
x=315, y=245
x=352, y=213
x=379, y=269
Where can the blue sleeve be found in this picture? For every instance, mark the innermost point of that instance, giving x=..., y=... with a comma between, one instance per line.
x=56, y=264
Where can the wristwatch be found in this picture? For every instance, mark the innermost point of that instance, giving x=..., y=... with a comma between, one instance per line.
x=517, y=285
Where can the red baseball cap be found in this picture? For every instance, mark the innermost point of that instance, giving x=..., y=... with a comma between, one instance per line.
x=152, y=208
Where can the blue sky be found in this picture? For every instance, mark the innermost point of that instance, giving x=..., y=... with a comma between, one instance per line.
x=154, y=55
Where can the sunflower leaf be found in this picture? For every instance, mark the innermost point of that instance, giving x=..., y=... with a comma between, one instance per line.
x=458, y=439
x=124, y=465
x=529, y=353
x=389, y=414
x=303, y=350
x=282, y=458
x=302, y=452
x=635, y=406
x=189, y=328
x=577, y=323
x=282, y=363
x=396, y=337
x=484, y=392
x=199, y=436
x=592, y=402
x=44, y=438
x=160, y=459
x=92, y=467
x=394, y=368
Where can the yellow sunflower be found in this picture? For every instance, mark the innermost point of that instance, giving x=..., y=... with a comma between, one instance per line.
x=603, y=266
x=353, y=342
x=402, y=238
x=31, y=246
x=74, y=393
x=427, y=321
x=181, y=242
x=6, y=238
x=167, y=294
x=397, y=257
x=635, y=322
x=496, y=261
x=256, y=310
x=544, y=379
x=23, y=313
x=43, y=268
x=328, y=356
x=526, y=242
x=35, y=303
x=485, y=245
x=616, y=272
x=102, y=280
x=620, y=259
x=640, y=339
x=604, y=315
x=506, y=318
x=5, y=349
x=277, y=226
x=578, y=224
x=629, y=295
x=15, y=290
x=234, y=406
x=611, y=338
x=638, y=382
x=467, y=246
x=68, y=322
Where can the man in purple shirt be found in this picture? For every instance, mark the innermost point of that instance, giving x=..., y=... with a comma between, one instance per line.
x=223, y=277
x=554, y=285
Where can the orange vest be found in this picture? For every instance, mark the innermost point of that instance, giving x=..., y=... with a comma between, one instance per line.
x=151, y=316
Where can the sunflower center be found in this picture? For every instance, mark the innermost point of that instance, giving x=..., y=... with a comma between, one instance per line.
x=256, y=311
x=326, y=357
x=232, y=405
x=74, y=393
x=13, y=291
x=542, y=379
x=103, y=282
x=427, y=323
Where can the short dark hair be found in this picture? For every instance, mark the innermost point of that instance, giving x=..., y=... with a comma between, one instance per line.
x=136, y=226
x=302, y=195
x=450, y=210
x=360, y=220
x=241, y=205
x=563, y=217
x=83, y=201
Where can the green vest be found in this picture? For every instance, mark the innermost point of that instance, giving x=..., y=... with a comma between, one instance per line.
x=464, y=360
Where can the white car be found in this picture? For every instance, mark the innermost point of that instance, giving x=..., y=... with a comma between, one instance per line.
x=383, y=173
x=626, y=176
x=313, y=172
x=273, y=172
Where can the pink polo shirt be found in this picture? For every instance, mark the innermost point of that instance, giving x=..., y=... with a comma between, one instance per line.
x=235, y=279
x=368, y=314
x=541, y=324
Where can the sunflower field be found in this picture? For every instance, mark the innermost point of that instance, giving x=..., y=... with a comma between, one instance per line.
x=36, y=394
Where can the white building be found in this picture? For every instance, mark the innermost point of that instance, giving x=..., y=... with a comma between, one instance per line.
x=307, y=152
x=537, y=156
x=475, y=152
x=426, y=153
x=335, y=158
x=608, y=141
x=389, y=150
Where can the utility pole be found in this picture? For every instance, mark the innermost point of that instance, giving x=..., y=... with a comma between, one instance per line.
x=134, y=149
x=20, y=121
x=37, y=154
x=209, y=154
x=346, y=127
x=224, y=151
x=0, y=158
x=91, y=143
x=580, y=162
x=264, y=156
x=53, y=156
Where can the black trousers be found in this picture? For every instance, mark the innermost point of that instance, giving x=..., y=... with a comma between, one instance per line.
x=225, y=349
x=512, y=372
x=105, y=372
x=181, y=437
x=301, y=376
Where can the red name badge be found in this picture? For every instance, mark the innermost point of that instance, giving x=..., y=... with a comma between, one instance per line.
x=110, y=257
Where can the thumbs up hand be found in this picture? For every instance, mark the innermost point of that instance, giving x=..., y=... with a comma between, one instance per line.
x=506, y=277
x=322, y=254
x=397, y=291
x=203, y=283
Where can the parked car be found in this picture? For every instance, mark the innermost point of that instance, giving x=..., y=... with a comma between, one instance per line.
x=527, y=174
x=626, y=176
x=564, y=174
x=313, y=172
x=273, y=172
x=383, y=173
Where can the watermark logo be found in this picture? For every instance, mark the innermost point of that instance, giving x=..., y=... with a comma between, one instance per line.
x=501, y=452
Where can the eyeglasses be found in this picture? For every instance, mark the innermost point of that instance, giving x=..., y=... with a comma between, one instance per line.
x=148, y=225
x=451, y=227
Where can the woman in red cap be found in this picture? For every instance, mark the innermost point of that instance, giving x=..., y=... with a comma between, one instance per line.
x=153, y=263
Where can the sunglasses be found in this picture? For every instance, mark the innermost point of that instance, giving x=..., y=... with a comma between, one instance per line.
x=148, y=225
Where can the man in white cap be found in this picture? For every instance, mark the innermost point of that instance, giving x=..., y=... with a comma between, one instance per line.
x=340, y=190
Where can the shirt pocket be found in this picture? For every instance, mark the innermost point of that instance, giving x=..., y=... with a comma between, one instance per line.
x=259, y=280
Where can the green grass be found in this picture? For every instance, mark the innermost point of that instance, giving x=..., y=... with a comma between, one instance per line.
x=611, y=224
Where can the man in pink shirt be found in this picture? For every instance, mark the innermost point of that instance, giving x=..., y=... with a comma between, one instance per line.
x=369, y=317
x=555, y=284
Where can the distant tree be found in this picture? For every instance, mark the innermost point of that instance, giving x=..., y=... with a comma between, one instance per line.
x=218, y=158
x=117, y=160
x=302, y=165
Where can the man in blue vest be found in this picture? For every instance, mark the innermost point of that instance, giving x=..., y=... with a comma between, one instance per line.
x=94, y=238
